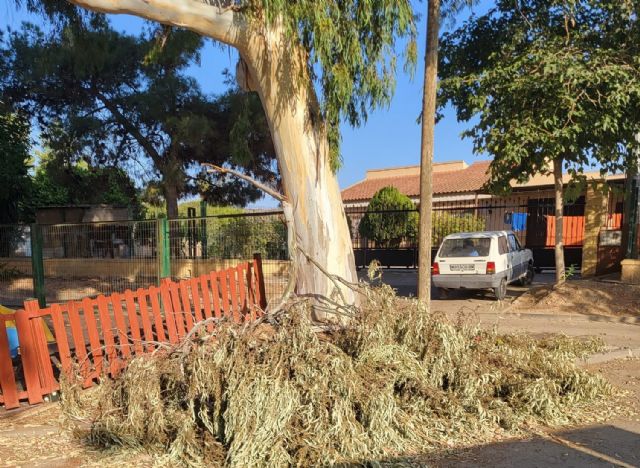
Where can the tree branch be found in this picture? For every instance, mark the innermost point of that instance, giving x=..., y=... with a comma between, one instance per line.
x=132, y=129
x=221, y=24
x=266, y=189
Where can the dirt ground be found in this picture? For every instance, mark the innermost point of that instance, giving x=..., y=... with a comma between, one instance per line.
x=584, y=296
x=614, y=443
x=37, y=437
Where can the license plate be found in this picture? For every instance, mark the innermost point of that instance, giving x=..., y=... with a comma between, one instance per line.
x=463, y=267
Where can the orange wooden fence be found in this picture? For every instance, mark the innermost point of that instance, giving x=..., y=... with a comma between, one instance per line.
x=97, y=336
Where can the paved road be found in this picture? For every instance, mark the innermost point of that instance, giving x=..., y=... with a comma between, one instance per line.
x=615, y=331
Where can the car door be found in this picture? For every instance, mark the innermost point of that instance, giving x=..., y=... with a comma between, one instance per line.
x=516, y=257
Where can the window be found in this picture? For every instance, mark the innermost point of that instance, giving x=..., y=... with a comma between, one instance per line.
x=469, y=247
x=503, y=245
x=513, y=243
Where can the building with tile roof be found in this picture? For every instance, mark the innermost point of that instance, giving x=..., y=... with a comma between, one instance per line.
x=454, y=180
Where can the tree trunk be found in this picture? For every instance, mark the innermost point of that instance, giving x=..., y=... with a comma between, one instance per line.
x=277, y=73
x=171, y=200
x=559, y=195
x=426, y=152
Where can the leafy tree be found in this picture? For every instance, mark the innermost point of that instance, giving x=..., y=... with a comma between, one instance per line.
x=389, y=229
x=554, y=85
x=123, y=100
x=59, y=181
x=313, y=64
x=14, y=177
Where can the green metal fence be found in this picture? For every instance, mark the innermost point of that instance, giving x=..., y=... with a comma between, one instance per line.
x=202, y=244
x=62, y=262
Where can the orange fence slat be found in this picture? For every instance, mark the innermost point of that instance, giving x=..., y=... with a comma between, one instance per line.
x=187, y=313
x=123, y=336
x=134, y=325
x=169, y=315
x=60, y=332
x=88, y=309
x=178, y=312
x=107, y=334
x=48, y=383
x=158, y=320
x=7, y=377
x=28, y=355
x=225, y=307
x=206, y=299
x=79, y=343
x=242, y=302
x=146, y=323
x=196, y=298
x=231, y=275
x=215, y=294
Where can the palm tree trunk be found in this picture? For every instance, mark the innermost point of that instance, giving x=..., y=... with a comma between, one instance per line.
x=426, y=153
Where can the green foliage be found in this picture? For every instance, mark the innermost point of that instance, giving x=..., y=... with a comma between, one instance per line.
x=14, y=177
x=242, y=237
x=389, y=229
x=351, y=51
x=114, y=99
x=60, y=182
x=450, y=223
x=547, y=80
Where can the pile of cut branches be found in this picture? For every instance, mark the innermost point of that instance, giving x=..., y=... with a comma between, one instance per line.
x=397, y=380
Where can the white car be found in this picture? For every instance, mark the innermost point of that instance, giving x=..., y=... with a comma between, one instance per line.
x=482, y=260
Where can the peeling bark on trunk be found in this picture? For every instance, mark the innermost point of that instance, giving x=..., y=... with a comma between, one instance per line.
x=559, y=207
x=275, y=71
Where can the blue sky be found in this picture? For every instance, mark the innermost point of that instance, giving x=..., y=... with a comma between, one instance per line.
x=391, y=137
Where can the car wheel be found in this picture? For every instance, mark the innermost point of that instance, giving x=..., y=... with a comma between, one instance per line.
x=501, y=291
x=531, y=272
x=442, y=293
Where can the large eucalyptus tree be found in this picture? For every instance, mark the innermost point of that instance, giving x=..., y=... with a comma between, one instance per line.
x=313, y=63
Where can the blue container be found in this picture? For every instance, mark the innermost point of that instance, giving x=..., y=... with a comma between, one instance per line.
x=12, y=335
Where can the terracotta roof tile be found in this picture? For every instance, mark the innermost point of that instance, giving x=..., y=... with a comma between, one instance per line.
x=470, y=179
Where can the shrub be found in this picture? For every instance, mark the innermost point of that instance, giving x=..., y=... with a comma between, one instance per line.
x=391, y=228
x=445, y=223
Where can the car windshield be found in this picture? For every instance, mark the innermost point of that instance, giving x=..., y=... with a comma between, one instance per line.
x=469, y=247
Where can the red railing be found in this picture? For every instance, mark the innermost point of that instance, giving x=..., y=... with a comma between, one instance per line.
x=98, y=336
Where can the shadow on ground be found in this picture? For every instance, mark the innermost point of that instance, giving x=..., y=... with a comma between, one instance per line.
x=596, y=446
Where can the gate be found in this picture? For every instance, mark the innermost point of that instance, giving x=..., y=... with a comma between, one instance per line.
x=531, y=217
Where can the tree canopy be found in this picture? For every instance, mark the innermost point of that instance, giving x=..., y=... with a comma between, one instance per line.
x=112, y=98
x=351, y=51
x=547, y=80
x=14, y=176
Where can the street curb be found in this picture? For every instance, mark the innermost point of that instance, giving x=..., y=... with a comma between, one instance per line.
x=610, y=356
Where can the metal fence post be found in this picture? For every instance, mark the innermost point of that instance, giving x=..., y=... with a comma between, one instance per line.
x=163, y=249
x=37, y=265
x=203, y=229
